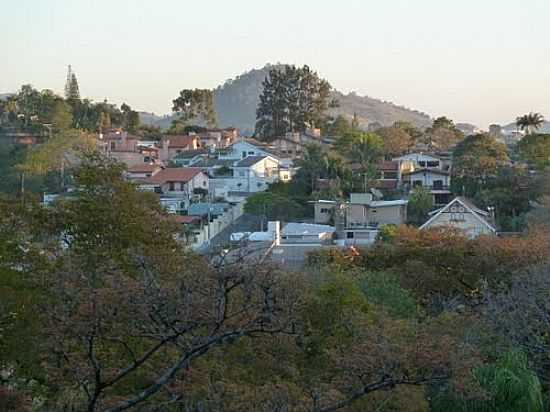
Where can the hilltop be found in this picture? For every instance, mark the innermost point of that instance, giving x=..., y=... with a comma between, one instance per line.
x=237, y=99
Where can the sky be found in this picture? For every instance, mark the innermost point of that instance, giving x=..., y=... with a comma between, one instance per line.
x=476, y=61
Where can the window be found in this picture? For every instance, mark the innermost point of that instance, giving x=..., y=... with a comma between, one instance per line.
x=171, y=186
x=438, y=184
x=324, y=210
x=241, y=173
x=349, y=235
x=204, y=183
x=457, y=217
x=113, y=145
x=422, y=163
x=178, y=151
x=250, y=153
x=243, y=154
x=433, y=163
x=182, y=186
x=417, y=183
x=259, y=184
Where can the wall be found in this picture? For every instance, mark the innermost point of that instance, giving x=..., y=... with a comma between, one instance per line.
x=216, y=227
x=471, y=225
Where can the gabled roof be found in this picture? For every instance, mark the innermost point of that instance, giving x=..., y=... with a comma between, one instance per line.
x=180, y=141
x=479, y=214
x=427, y=170
x=250, y=161
x=174, y=174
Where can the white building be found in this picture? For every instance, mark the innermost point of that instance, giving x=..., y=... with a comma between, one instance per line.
x=462, y=214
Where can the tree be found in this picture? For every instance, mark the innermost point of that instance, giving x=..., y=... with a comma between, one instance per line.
x=62, y=118
x=396, y=140
x=420, y=204
x=478, y=157
x=127, y=316
x=130, y=118
x=292, y=100
x=507, y=385
x=338, y=127
x=72, y=91
x=195, y=105
x=443, y=134
x=535, y=149
x=268, y=205
x=366, y=150
x=530, y=122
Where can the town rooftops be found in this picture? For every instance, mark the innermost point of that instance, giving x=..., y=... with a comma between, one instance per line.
x=190, y=153
x=180, y=141
x=174, y=174
x=250, y=161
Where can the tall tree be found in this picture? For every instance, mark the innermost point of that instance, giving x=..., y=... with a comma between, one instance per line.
x=364, y=149
x=396, y=140
x=293, y=99
x=530, y=122
x=196, y=105
x=72, y=91
x=443, y=135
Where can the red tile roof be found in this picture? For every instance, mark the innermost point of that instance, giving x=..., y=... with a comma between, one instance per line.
x=180, y=142
x=174, y=174
x=388, y=165
x=185, y=219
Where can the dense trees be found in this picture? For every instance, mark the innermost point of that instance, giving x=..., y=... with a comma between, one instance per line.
x=195, y=105
x=293, y=99
x=535, y=149
x=443, y=135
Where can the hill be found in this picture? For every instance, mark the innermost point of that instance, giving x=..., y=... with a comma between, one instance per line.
x=545, y=128
x=236, y=101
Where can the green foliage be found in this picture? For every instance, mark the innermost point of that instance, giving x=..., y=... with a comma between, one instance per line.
x=272, y=206
x=292, y=100
x=197, y=105
x=420, y=204
x=535, y=149
x=508, y=385
x=443, y=135
x=478, y=157
x=530, y=122
x=385, y=290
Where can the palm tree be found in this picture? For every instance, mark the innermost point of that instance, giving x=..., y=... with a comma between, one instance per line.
x=530, y=122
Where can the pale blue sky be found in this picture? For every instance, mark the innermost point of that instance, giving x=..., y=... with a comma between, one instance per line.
x=480, y=61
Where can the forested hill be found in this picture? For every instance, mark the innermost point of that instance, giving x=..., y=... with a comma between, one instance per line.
x=237, y=99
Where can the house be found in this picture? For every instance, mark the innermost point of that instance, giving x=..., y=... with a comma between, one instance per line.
x=118, y=144
x=171, y=146
x=189, y=158
x=215, y=139
x=462, y=214
x=361, y=211
x=306, y=233
x=293, y=144
x=142, y=171
x=389, y=175
x=177, y=182
x=247, y=147
x=413, y=161
x=437, y=181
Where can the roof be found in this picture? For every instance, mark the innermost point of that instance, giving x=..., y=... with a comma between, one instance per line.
x=388, y=166
x=174, y=174
x=190, y=153
x=250, y=161
x=202, y=209
x=301, y=229
x=259, y=145
x=143, y=168
x=415, y=155
x=180, y=141
x=425, y=170
x=479, y=214
x=388, y=203
x=185, y=219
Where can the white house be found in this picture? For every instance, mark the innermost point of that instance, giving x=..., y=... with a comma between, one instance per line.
x=177, y=186
x=437, y=181
x=462, y=214
x=244, y=148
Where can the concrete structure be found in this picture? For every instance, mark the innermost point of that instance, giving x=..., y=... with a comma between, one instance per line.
x=462, y=214
x=306, y=233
